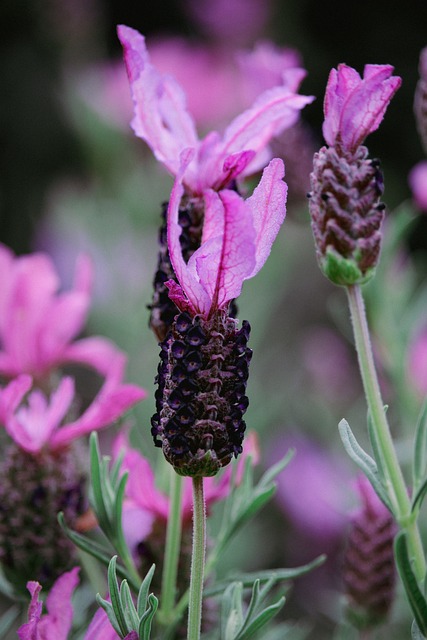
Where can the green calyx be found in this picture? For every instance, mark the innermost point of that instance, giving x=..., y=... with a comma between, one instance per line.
x=344, y=271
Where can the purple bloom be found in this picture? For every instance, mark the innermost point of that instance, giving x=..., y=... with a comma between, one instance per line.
x=355, y=106
x=162, y=120
x=237, y=239
x=56, y=623
x=418, y=183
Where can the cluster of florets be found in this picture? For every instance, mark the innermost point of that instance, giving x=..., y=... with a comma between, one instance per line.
x=369, y=571
x=346, y=213
x=201, y=395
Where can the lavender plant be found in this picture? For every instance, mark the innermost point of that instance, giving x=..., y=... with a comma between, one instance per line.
x=154, y=560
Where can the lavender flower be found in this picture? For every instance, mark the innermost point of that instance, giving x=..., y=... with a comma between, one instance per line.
x=162, y=120
x=345, y=184
x=203, y=372
x=369, y=572
x=420, y=102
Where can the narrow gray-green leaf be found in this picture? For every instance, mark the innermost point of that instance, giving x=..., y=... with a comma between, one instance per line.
x=7, y=620
x=420, y=449
x=416, y=633
x=144, y=630
x=113, y=588
x=261, y=619
x=271, y=473
x=376, y=449
x=363, y=461
x=231, y=611
x=143, y=591
x=128, y=606
x=99, y=505
x=413, y=592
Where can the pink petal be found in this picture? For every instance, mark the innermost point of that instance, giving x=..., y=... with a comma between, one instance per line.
x=57, y=623
x=28, y=630
x=32, y=426
x=225, y=260
x=12, y=395
x=274, y=111
x=140, y=486
x=100, y=354
x=354, y=107
x=110, y=404
x=100, y=628
x=268, y=206
x=418, y=182
x=198, y=298
x=161, y=118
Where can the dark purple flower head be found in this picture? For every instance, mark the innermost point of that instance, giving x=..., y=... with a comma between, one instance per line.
x=369, y=571
x=420, y=102
x=355, y=106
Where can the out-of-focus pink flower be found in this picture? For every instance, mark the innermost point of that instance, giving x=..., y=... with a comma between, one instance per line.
x=56, y=623
x=144, y=504
x=230, y=21
x=355, y=106
x=418, y=182
x=313, y=489
x=162, y=120
x=236, y=241
x=40, y=422
x=37, y=324
x=417, y=363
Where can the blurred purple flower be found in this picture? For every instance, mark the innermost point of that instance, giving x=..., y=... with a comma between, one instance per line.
x=56, y=623
x=162, y=120
x=313, y=490
x=417, y=362
x=418, y=182
x=230, y=21
x=236, y=241
x=355, y=106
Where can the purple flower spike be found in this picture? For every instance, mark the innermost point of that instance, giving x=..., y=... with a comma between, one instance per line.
x=355, y=106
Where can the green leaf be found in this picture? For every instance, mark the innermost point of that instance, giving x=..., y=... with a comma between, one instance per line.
x=110, y=613
x=419, y=496
x=420, y=449
x=7, y=620
x=414, y=595
x=143, y=591
x=278, y=575
x=128, y=606
x=144, y=629
x=363, y=461
x=98, y=485
x=116, y=603
x=261, y=619
x=231, y=611
x=376, y=449
x=415, y=632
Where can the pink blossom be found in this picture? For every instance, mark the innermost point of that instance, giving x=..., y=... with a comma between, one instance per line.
x=144, y=504
x=162, y=120
x=417, y=363
x=42, y=421
x=56, y=623
x=237, y=239
x=355, y=106
x=418, y=183
x=38, y=324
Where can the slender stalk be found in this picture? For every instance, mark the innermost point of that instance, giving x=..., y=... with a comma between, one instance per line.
x=197, y=561
x=397, y=487
x=172, y=548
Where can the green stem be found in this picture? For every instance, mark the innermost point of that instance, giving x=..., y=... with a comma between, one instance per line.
x=397, y=487
x=197, y=561
x=172, y=549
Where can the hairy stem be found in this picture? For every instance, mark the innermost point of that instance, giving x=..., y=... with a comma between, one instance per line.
x=197, y=561
x=396, y=486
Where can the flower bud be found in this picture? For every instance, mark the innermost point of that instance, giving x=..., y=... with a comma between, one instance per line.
x=346, y=214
